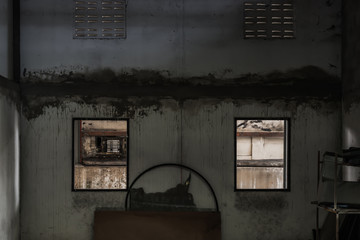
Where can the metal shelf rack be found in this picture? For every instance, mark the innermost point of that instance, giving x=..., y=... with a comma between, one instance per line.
x=334, y=206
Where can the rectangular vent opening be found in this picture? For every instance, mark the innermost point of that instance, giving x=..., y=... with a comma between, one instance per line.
x=269, y=19
x=99, y=19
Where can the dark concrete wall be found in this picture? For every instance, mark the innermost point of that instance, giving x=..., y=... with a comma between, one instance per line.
x=197, y=133
x=5, y=38
x=179, y=38
x=351, y=74
x=9, y=160
x=9, y=133
x=181, y=77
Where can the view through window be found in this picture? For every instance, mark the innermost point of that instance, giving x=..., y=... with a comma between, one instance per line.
x=100, y=154
x=261, y=154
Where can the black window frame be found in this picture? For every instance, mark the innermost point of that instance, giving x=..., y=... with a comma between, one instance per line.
x=73, y=189
x=287, y=135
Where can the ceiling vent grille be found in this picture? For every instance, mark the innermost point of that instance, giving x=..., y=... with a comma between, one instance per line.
x=269, y=20
x=99, y=19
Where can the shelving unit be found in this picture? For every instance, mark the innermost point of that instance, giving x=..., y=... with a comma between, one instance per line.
x=336, y=161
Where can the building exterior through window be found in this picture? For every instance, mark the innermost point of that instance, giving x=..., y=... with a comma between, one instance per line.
x=261, y=154
x=100, y=154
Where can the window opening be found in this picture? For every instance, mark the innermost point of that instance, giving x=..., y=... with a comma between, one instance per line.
x=261, y=154
x=100, y=154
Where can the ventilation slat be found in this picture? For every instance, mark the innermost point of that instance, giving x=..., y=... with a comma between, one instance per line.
x=101, y=19
x=269, y=19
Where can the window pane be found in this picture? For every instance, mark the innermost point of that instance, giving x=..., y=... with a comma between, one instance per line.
x=100, y=154
x=261, y=154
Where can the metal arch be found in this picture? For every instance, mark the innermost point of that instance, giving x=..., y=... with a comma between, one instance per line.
x=171, y=165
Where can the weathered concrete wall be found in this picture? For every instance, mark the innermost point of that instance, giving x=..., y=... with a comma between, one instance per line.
x=179, y=38
x=351, y=74
x=9, y=170
x=181, y=76
x=5, y=38
x=198, y=133
x=9, y=132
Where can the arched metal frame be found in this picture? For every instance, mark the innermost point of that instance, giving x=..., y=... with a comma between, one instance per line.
x=171, y=165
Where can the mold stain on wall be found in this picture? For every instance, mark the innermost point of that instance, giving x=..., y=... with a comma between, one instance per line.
x=144, y=88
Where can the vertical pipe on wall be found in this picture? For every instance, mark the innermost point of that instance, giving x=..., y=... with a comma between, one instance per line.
x=9, y=41
x=181, y=142
x=15, y=35
x=183, y=39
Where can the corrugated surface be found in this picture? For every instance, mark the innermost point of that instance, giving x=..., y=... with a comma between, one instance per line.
x=199, y=134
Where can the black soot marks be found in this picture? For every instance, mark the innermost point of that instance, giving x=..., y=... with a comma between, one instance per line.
x=10, y=90
x=35, y=106
x=246, y=201
x=85, y=200
x=150, y=88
